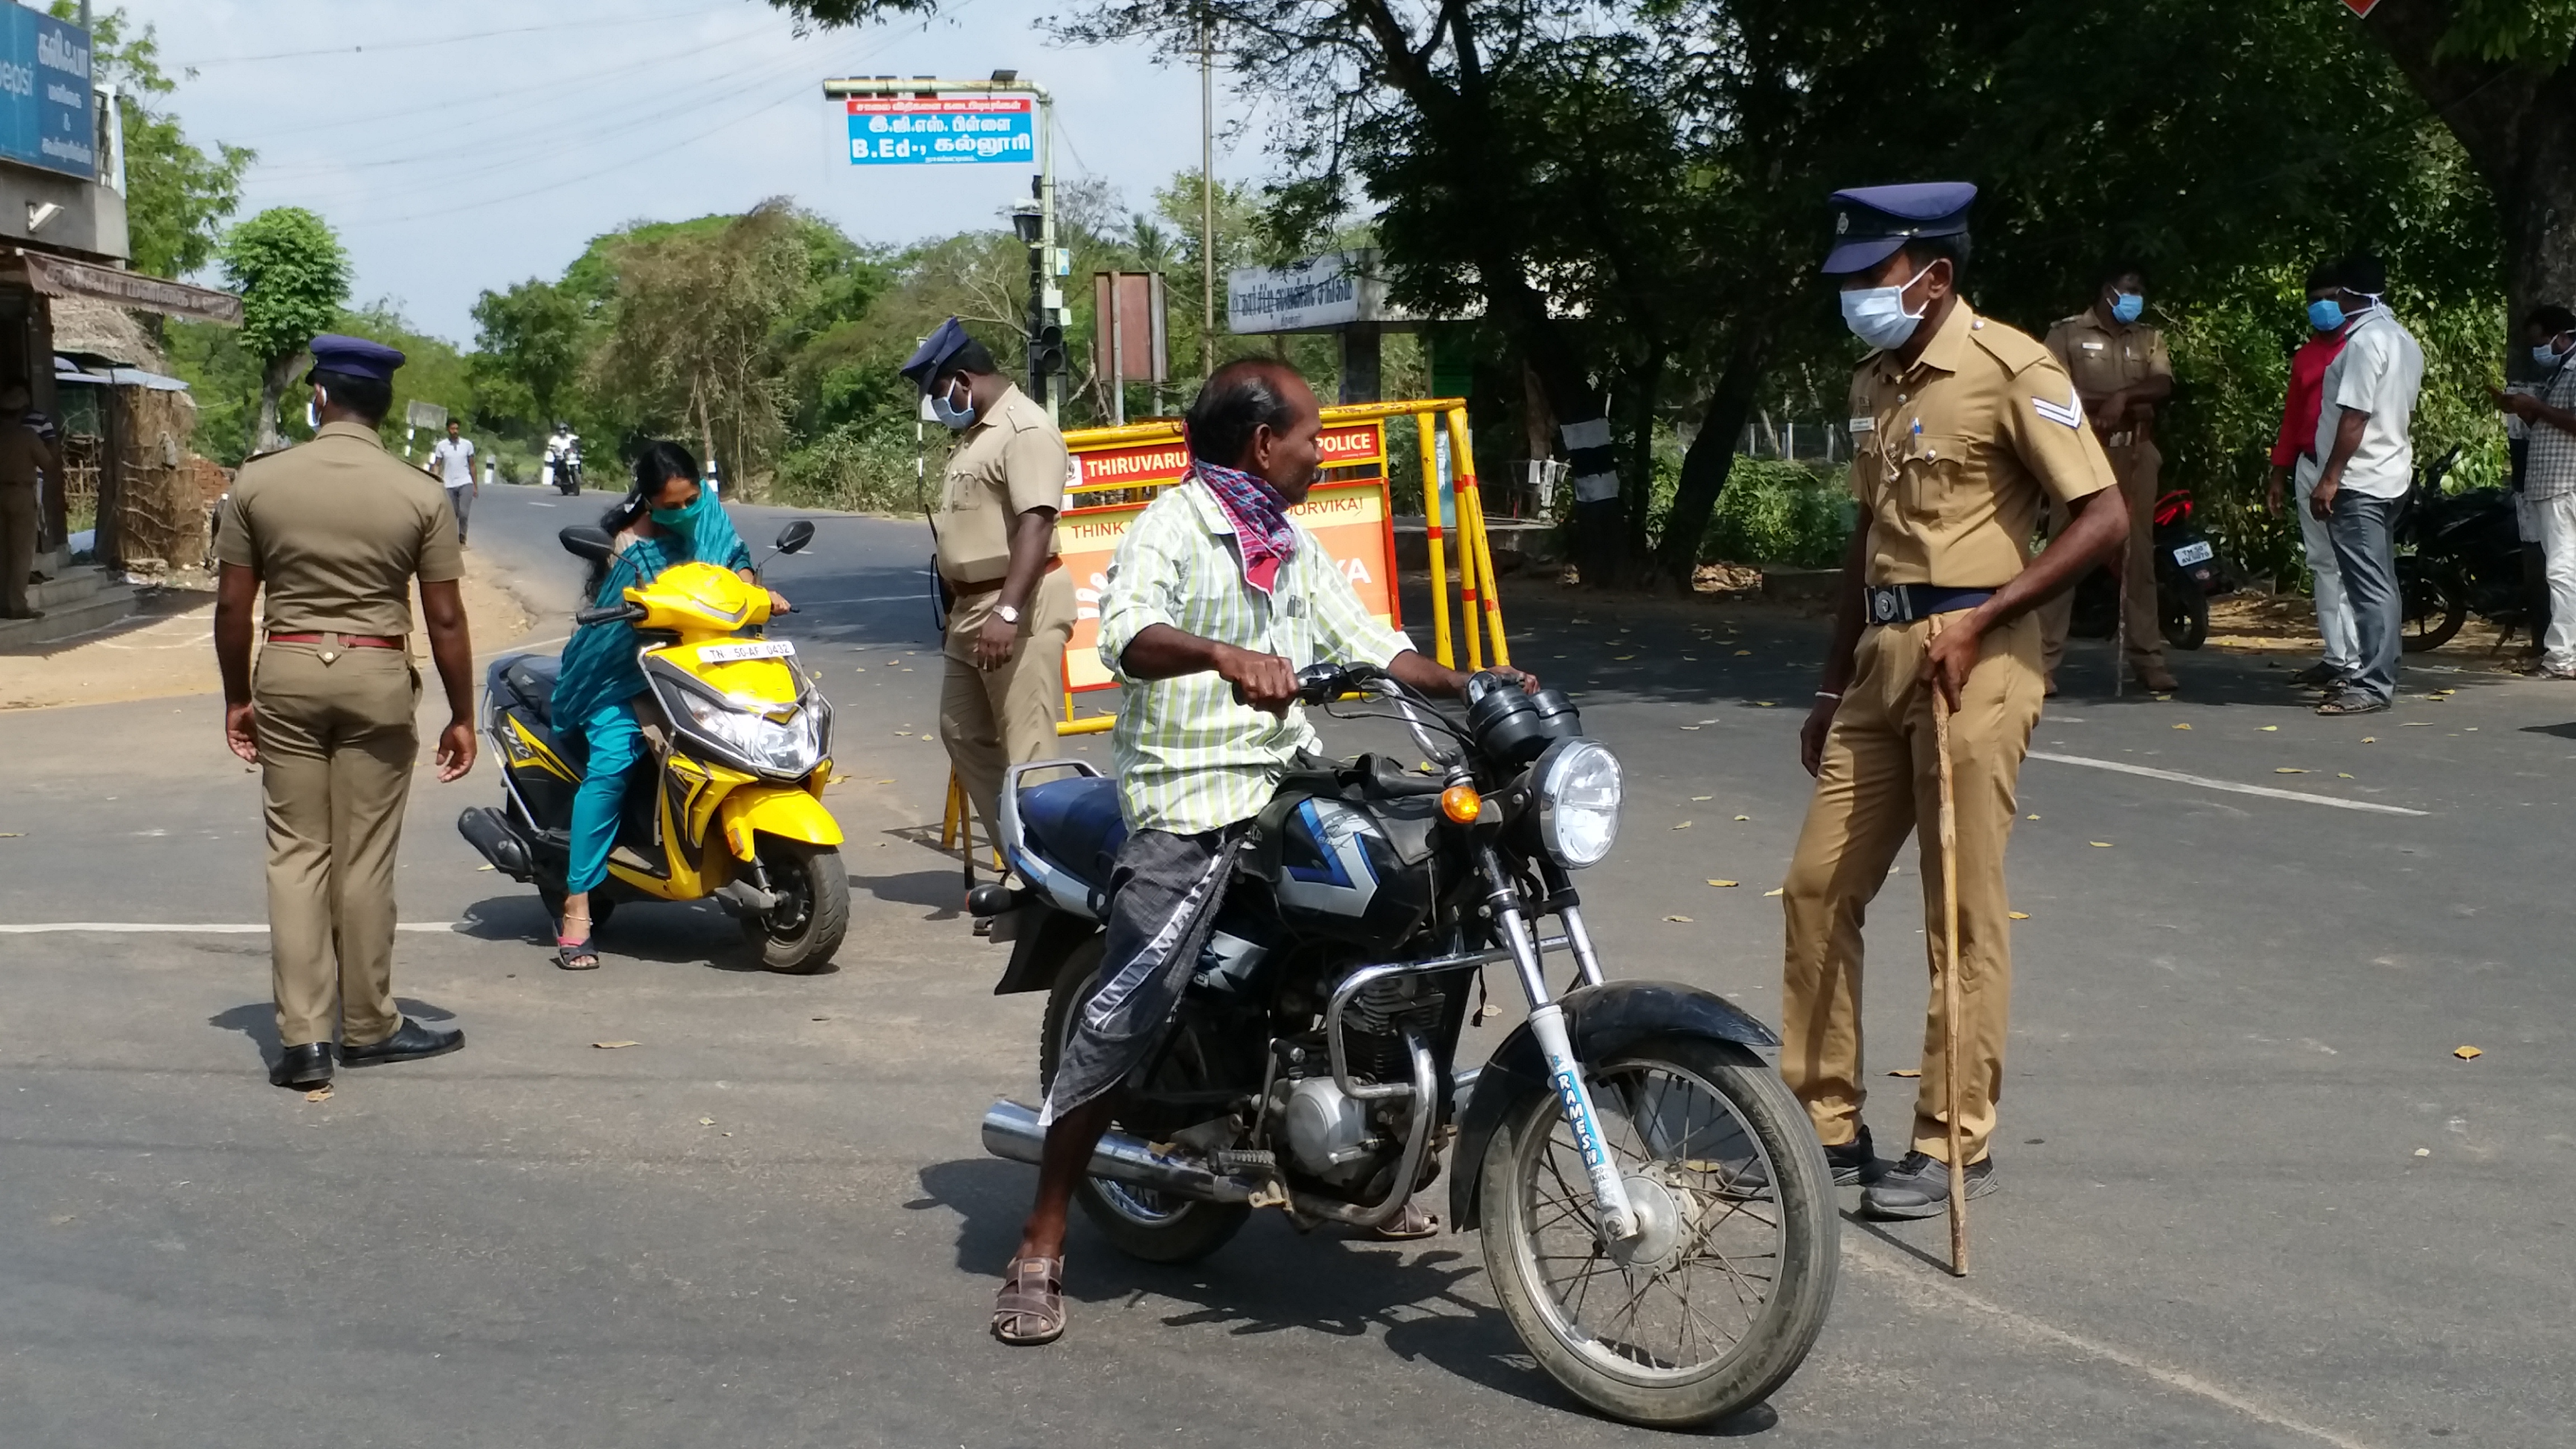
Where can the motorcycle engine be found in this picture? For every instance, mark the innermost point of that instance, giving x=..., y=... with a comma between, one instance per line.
x=1327, y=1130
x=1332, y=1135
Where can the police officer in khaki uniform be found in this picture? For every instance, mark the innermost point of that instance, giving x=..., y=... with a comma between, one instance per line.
x=1962, y=430
x=335, y=531
x=1010, y=607
x=2120, y=370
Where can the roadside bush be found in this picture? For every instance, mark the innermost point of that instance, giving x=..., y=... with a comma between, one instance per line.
x=858, y=467
x=1777, y=512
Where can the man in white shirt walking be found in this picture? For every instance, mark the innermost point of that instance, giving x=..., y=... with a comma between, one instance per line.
x=453, y=463
x=2365, y=434
x=2548, y=411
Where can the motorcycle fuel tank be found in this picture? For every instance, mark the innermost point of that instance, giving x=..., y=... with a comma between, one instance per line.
x=1356, y=873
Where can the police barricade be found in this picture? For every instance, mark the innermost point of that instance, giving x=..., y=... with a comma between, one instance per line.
x=1117, y=471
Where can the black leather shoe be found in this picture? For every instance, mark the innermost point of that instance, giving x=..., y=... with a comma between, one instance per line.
x=1919, y=1187
x=1854, y=1163
x=410, y=1042
x=303, y=1067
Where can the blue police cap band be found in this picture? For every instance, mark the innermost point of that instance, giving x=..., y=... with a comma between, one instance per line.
x=927, y=361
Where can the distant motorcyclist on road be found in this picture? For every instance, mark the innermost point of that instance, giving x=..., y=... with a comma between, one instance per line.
x=563, y=458
x=666, y=520
x=1215, y=600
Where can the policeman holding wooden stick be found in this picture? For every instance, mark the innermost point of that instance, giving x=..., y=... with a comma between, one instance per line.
x=1962, y=430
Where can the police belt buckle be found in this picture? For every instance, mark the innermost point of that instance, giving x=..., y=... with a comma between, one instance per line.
x=1888, y=605
x=1905, y=603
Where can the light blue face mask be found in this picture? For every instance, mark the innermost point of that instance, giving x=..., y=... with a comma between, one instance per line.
x=953, y=417
x=2325, y=314
x=2127, y=306
x=1877, y=315
x=2547, y=354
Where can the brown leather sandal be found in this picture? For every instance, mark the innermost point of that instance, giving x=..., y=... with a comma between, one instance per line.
x=1030, y=1308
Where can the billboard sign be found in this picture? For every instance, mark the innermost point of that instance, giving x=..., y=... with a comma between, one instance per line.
x=45, y=116
x=1154, y=464
x=1351, y=520
x=942, y=130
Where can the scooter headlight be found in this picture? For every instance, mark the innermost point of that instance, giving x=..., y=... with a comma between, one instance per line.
x=1578, y=802
x=793, y=746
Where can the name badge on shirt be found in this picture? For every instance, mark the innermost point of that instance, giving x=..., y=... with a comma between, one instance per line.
x=2092, y=346
x=1862, y=425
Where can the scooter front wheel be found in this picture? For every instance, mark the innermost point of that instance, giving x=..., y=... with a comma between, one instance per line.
x=801, y=932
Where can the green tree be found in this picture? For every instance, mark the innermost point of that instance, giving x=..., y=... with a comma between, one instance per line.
x=2496, y=72
x=695, y=335
x=177, y=194
x=530, y=342
x=293, y=276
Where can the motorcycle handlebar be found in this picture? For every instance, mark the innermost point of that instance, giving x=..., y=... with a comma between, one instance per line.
x=607, y=614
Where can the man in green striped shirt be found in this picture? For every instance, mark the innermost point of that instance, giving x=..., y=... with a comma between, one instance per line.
x=1215, y=600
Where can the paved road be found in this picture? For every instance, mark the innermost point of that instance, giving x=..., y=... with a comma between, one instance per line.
x=769, y=1222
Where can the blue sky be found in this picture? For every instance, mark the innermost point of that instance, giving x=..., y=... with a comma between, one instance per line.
x=454, y=157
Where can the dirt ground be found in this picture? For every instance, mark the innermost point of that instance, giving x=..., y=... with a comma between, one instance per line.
x=169, y=649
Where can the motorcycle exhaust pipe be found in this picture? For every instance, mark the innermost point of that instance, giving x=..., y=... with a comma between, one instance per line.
x=1011, y=1132
x=485, y=830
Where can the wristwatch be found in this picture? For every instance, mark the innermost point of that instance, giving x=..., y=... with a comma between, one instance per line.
x=1006, y=614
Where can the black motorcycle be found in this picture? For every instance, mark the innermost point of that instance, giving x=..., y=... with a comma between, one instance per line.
x=1658, y=1220
x=2458, y=554
x=2189, y=573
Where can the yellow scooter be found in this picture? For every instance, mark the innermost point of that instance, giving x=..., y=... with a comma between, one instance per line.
x=727, y=799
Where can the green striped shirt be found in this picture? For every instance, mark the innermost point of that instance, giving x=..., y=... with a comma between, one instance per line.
x=1188, y=757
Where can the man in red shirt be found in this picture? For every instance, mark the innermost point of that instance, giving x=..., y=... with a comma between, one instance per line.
x=2294, y=459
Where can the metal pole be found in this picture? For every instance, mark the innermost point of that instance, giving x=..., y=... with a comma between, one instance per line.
x=1117, y=350
x=1207, y=199
x=1050, y=297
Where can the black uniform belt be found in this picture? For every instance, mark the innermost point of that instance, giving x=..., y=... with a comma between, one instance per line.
x=1905, y=603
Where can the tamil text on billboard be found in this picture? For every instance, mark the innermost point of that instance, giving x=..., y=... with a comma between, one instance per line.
x=45, y=94
x=942, y=130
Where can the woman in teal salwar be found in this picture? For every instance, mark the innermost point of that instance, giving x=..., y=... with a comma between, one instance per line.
x=665, y=520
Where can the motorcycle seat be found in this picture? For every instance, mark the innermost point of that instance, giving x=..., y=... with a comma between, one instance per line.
x=531, y=678
x=1074, y=822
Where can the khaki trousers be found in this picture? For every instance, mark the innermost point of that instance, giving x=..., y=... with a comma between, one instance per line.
x=1880, y=779
x=17, y=545
x=336, y=748
x=991, y=719
x=2136, y=465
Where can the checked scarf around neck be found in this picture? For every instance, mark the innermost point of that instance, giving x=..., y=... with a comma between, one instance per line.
x=1262, y=533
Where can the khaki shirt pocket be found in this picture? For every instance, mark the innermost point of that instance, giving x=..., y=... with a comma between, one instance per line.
x=1931, y=473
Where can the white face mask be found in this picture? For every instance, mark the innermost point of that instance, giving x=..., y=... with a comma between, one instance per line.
x=2547, y=353
x=1877, y=315
x=957, y=419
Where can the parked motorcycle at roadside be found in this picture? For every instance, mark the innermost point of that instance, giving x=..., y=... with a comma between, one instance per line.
x=727, y=802
x=1658, y=1220
x=2458, y=554
x=2189, y=573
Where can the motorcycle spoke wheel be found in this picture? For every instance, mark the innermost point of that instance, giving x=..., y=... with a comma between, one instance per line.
x=1685, y=1294
x=1717, y=1299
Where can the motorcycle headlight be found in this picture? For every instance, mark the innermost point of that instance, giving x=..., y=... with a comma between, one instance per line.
x=792, y=746
x=1578, y=802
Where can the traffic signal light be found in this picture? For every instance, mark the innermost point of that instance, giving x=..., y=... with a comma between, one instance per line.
x=1049, y=355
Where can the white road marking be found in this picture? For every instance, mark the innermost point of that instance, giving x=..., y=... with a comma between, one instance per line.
x=182, y=928
x=1939, y=1298
x=2206, y=783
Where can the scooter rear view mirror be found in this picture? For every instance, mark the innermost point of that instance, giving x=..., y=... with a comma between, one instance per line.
x=794, y=537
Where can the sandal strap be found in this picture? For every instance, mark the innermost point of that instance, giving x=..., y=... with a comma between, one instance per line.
x=1030, y=1306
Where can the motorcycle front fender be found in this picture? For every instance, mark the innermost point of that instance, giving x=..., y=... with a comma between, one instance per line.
x=785, y=811
x=1602, y=1021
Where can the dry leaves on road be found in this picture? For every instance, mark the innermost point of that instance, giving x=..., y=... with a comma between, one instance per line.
x=1685, y=825
x=610, y=1046
x=321, y=1093
x=2018, y=915
x=1906, y=1072
x=1685, y=920
x=1767, y=894
x=2101, y=845
x=1725, y=884
x=2287, y=770
x=2467, y=1053
x=2182, y=727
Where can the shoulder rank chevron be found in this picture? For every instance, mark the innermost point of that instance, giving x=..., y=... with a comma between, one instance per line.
x=2069, y=412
